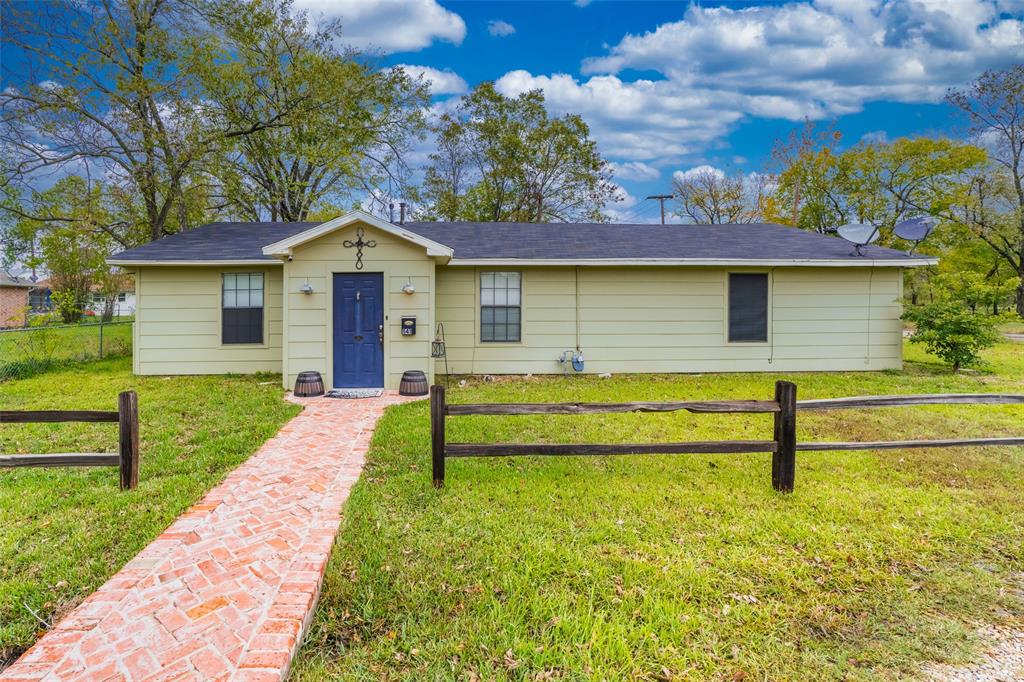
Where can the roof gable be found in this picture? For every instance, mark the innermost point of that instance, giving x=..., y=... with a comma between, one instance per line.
x=284, y=247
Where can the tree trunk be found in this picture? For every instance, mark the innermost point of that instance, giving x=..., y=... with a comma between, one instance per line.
x=1020, y=298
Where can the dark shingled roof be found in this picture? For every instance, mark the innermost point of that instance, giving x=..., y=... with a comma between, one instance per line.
x=244, y=241
x=610, y=240
x=216, y=241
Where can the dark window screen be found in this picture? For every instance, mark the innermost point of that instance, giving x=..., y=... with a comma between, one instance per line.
x=748, y=307
x=242, y=312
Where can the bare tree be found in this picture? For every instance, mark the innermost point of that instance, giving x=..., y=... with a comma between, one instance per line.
x=708, y=196
x=994, y=103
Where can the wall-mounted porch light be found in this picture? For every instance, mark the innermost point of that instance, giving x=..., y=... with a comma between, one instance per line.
x=408, y=288
x=306, y=288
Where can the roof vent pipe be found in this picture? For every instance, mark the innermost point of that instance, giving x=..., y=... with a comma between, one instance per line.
x=391, y=212
x=401, y=213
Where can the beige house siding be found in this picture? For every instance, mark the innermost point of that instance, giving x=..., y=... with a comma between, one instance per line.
x=669, y=319
x=308, y=316
x=178, y=322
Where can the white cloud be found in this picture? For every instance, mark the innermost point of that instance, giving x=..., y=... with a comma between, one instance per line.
x=635, y=170
x=581, y=3
x=703, y=169
x=648, y=121
x=723, y=65
x=824, y=58
x=389, y=25
x=499, y=28
x=875, y=136
x=442, y=82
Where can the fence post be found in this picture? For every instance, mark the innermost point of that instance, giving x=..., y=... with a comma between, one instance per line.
x=128, y=438
x=784, y=459
x=101, y=337
x=437, y=410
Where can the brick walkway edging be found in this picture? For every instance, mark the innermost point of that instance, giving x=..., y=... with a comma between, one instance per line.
x=228, y=590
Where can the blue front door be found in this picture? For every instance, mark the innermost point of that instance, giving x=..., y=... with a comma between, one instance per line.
x=359, y=330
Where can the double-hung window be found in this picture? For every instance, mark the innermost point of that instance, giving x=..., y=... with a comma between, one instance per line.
x=748, y=307
x=501, y=306
x=242, y=307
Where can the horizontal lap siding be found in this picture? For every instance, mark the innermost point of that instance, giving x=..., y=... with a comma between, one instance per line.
x=309, y=316
x=178, y=323
x=674, y=320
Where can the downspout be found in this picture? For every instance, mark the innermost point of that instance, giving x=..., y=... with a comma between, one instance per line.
x=577, y=309
x=771, y=331
x=871, y=278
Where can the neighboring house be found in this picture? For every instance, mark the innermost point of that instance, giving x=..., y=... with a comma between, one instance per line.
x=39, y=298
x=513, y=298
x=14, y=293
x=124, y=305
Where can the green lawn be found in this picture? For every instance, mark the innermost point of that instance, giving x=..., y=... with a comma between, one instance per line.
x=24, y=352
x=63, y=532
x=688, y=567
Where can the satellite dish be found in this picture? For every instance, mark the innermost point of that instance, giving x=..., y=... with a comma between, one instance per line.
x=915, y=230
x=859, y=235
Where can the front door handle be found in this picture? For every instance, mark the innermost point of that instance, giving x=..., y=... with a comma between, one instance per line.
x=380, y=333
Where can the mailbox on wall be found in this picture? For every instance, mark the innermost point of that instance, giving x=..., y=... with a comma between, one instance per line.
x=408, y=325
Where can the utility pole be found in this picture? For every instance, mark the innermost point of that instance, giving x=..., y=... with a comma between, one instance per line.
x=661, y=200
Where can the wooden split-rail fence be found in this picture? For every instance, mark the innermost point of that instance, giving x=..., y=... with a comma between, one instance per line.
x=126, y=459
x=783, y=445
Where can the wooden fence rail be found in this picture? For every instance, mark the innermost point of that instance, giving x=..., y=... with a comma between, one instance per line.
x=126, y=459
x=783, y=445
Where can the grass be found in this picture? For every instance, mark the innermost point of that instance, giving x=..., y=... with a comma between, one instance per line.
x=63, y=532
x=688, y=567
x=27, y=352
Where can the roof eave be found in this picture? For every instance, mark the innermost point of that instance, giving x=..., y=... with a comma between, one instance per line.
x=222, y=262
x=909, y=262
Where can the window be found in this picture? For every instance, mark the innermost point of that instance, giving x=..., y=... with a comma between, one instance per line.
x=99, y=299
x=242, y=314
x=122, y=297
x=500, y=300
x=748, y=307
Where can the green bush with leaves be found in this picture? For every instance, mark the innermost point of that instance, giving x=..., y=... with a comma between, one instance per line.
x=954, y=333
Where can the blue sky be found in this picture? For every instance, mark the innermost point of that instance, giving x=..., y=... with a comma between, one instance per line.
x=668, y=86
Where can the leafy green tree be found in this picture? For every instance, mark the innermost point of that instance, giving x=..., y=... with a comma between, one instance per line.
x=73, y=245
x=994, y=103
x=802, y=163
x=952, y=332
x=877, y=183
x=505, y=159
x=341, y=125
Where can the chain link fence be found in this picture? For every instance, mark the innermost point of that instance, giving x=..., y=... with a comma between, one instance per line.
x=30, y=350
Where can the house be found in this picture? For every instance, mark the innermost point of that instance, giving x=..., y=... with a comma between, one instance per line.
x=360, y=299
x=14, y=293
x=39, y=299
x=124, y=305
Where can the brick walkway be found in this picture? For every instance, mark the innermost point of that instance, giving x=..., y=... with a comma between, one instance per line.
x=226, y=592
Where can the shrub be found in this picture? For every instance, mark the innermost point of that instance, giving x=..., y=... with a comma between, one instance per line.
x=954, y=333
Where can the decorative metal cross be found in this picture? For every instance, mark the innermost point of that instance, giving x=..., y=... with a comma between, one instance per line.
x=359, y=244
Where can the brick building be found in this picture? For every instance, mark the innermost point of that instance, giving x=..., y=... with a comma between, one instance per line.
x=13, y=300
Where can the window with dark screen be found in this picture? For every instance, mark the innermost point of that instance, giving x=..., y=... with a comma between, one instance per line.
x=748, y=307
